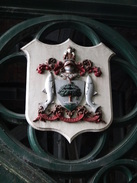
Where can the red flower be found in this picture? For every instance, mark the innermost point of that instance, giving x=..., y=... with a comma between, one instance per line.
x=97, y=71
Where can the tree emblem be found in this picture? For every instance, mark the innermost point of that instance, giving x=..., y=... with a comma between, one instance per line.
x=70, y=90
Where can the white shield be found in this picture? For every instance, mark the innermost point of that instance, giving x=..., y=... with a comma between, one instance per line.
x=37, y=53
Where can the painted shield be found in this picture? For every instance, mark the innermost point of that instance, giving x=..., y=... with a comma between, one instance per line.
x=69, y=94
x=68, y=88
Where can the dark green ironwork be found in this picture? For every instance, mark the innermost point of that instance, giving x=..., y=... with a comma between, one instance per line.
x=21, y=31
x=132, y=71
x=38, y=150
x=121, y=13
x=122, y=165
x=94, y=160
x=17, y=170
x=81, y=27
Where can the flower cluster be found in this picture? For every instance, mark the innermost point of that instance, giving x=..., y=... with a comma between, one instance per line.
x=87, y=66
x=58, y=67
x=51, y=64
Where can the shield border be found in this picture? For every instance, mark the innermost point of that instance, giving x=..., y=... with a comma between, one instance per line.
x=96, y=50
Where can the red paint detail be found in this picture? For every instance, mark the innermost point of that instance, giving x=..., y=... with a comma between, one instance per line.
x=80, y=69
x=37, y=119
x=95, y=118
x=90, y=70
x=52, y=118
x=88, y=65
x=59, y=114
x=59, y=65
x=42, y=67
x=72, y=120
x=44, y=117
x=97, y=71
x=47, y=68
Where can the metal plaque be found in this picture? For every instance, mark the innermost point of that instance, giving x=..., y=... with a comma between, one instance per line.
x=68, y=88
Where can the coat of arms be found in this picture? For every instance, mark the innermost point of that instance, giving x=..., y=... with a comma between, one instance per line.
x=68, y=87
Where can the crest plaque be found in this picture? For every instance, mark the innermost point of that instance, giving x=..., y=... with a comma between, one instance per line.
x=68, y=88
